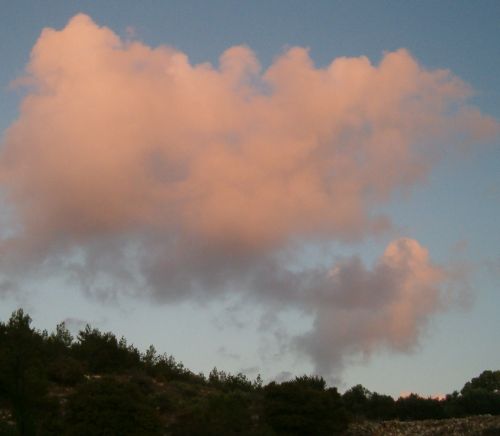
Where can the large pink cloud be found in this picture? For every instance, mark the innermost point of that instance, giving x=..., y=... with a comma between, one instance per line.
x=199, y=176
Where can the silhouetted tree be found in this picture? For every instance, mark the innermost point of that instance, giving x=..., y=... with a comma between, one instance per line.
x=356, y=400
x=488, y=381
x=380, y=407
x=110, y=407
x=103, y=353
x=228, y=381
x=23, y=380
x=479, y=402
x=303, y=406
x=99, y=385
x=414, y=407
x=221, y=413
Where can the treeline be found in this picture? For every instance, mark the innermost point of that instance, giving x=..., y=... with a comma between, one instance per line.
x=96, y=384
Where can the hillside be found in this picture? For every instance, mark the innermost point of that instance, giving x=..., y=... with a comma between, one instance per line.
x=486, y=425
x=96, y=384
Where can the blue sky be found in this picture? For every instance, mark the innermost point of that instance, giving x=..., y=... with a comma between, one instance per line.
x=453, y=212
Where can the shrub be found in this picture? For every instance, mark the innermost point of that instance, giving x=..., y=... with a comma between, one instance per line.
x=108, y=407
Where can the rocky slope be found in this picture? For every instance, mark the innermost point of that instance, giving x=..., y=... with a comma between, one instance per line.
x=485, y=425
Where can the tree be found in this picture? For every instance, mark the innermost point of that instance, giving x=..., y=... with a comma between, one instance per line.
x=481, y=395
x=220, y=413
x=303, y=406
x=62, y=336
x=356, y=400
x=23, y=381
x=228, y=381
x=487, y=380
x=103, y=353
x=414, y=407
x=380, y=407
x=110, y=407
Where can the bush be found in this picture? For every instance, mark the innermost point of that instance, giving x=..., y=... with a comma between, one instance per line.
x=303, y=406
x=488, y=381
x=414, y=407
x=103, y=353
x=219, y=414
x=380, y=407
x=229, y=382
x=480, y=402
x=66, y=371
x=109, y=407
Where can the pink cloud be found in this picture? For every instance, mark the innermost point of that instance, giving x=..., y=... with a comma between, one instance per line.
x=115, y=136
x=197, y=176
x=360, y=311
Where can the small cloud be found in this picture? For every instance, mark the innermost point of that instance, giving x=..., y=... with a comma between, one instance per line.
x=283, y=376
x=250, y=371
x=74, y=325
x=8, y=288
x=227, y=354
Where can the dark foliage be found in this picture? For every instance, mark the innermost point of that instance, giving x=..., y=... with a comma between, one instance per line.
x=380, y=407
x=480, y=402
x=414, y=407
x=110, y=407
x=228, y=413
x=304, y=406
x=96, y=384
x=23, y=382
x=356, y=400
x=103, y=353
x=229, y=382
x=488, y=381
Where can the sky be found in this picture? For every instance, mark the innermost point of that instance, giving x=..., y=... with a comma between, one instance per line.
x=265, y=187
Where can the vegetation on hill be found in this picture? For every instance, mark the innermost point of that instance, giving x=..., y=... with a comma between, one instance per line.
x=54, y=384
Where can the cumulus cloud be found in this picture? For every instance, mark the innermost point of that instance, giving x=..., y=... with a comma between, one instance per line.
x=131, y=168
x=364, y=310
